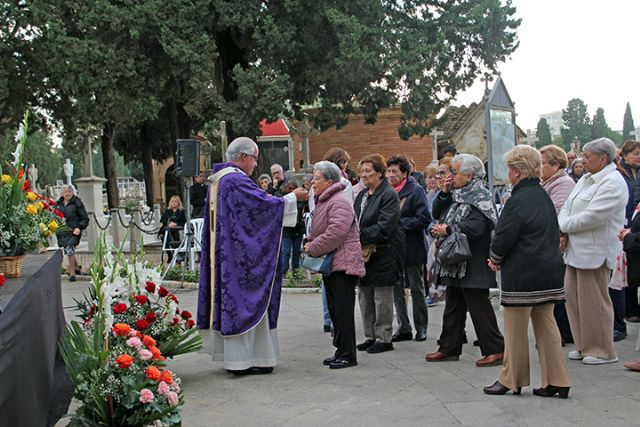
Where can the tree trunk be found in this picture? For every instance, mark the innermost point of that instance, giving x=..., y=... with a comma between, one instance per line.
x=147, y=162
x=109, y=164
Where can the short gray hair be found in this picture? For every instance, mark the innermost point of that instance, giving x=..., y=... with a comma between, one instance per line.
x=276, y=166
x=69, y=187
x=601, y=146
x=469, y=165
x=239, y=146
x=328, y=170
x=264, y=176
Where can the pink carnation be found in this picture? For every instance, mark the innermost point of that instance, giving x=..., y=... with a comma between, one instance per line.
x=134, y=342
x=133, y=333
x=145, y=354
x=163, y=388
x=146, y=395
x=175, y=387
x=172, y=398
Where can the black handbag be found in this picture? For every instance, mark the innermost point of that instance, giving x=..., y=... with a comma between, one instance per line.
x=454, y=249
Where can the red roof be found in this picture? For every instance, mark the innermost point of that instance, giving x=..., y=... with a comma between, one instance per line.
x=277, y=128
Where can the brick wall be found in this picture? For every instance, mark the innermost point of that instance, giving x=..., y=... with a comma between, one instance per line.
x=360, y=139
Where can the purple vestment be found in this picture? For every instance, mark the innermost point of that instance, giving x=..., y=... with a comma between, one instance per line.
x=248, y=275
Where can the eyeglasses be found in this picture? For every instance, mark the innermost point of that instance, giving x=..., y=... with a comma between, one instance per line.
x=251, y=155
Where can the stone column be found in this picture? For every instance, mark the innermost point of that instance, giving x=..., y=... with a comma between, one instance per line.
x=90, y=191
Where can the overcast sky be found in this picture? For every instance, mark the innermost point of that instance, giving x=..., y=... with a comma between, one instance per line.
x=572, y=49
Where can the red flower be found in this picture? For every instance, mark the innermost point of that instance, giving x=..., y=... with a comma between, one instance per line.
x=176, y=320
x=190, y=323
x=148, y=341
x=121, y=329
x=2, y=280
x=174, y=298
x=150, y=287
x=120, y=308
x=151, y=317
x=25, y=186
x=186, y=315
x=45, y=204
x=166, y=377
x=163, y=292
x=157, y=355
x=124, y=361
x=153, y=373
x=142, y=299
x=142, y=324
x=58, y=213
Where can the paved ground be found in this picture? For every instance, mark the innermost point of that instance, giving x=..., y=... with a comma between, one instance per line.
x=388, y=389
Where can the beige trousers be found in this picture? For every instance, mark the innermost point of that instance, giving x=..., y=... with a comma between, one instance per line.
x=590, y=311
x=515, y=366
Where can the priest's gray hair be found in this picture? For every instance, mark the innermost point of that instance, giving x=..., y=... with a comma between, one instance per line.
x=601, y=146
x=469, y=165
x=328, y=170
x=239, y=146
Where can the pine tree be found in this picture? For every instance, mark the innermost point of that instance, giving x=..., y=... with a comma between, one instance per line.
x=627, y=124
x=577, y=122
x=599, y=126
x=543, y=133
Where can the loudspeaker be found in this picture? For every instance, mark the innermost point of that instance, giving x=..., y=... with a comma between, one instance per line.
x=188, y=158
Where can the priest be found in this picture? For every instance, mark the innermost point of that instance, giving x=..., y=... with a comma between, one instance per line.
x=240, y=268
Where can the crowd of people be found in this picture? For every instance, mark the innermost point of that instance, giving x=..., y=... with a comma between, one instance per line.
x=396, y=235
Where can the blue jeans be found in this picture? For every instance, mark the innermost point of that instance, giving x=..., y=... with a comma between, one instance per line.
x=291, y=245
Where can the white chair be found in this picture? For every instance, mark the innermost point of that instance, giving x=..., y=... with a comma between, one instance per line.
x=196, y=227
x=167, y=246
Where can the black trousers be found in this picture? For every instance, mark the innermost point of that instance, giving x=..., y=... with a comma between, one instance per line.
x=632, y=307
x=618, y=301
x=562, y=320
x=476, y=301
x=341, y=298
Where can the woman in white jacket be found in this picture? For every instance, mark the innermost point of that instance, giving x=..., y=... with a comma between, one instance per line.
x=591, y=218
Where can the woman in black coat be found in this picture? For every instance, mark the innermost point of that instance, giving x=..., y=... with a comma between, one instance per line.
x=414, y=217
x=76, y=220
x=631, y=244
x=526, y=248
x=467, y=209
x=378, y=210
x=173, y=219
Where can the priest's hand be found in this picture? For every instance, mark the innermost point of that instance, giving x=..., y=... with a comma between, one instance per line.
x=301, y=194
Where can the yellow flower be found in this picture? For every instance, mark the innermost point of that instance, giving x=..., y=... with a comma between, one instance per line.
x=31, y=196
x=53, y=226
x=6, y=179
x=47, y=234
x=43, y=228
x=32, y=209
x=40, y=205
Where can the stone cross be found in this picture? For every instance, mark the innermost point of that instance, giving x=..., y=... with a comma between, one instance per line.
x=88, y=163
x=435, y=133
x=67, y=168
x=636, y=134
x=32, y=173
x=531, y=139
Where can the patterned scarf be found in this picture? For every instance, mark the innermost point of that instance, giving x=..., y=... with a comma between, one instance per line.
x=474, y=194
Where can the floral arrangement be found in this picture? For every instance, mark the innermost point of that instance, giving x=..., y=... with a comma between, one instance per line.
x=117, y=354
x=26, y=218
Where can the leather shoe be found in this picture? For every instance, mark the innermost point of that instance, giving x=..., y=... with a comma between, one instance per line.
x=551, y=390
x=421, y=336
x=365, y=345
x=402, y=336
x=499, y=389
x=619, y=335
x=633, y=319
x=490, y=360
x=380, y=347
x=633, y=365
x=254, y=370
x=326, y=329
x=340, y=363
x=439, y=356
x=328, y=360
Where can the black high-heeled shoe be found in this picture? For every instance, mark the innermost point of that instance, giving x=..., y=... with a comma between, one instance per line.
x=551, y=390
x=499, y=389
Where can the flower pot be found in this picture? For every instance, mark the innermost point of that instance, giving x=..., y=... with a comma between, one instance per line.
x=11, y=266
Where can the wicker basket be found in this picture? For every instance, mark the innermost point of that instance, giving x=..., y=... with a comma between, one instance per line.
x=11, y=266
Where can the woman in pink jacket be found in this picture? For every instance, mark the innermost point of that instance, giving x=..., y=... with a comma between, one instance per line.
x=334, y=228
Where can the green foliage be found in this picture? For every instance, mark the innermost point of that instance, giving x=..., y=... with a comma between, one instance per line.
x=189, y=276
x=316, y=280
x=577, y=122
x=600, y=128
x=627, y=125
x=543, y=133
x=295, y=278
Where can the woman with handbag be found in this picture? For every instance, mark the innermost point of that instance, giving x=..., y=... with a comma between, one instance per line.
x=469, y=214
x=335, y=230
x=76, y=220
x=526, y=248
x=382, y=238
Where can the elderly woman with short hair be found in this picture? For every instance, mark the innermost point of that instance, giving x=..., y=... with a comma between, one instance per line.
x=467, y=209
x=558, y=184
x=76, y=220
x=526, y=249
x=591, y=218
x=335, y=228
x=378, y=210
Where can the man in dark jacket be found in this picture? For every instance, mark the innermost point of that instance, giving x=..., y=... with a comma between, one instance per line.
x=197, y=194
x=415, y=218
